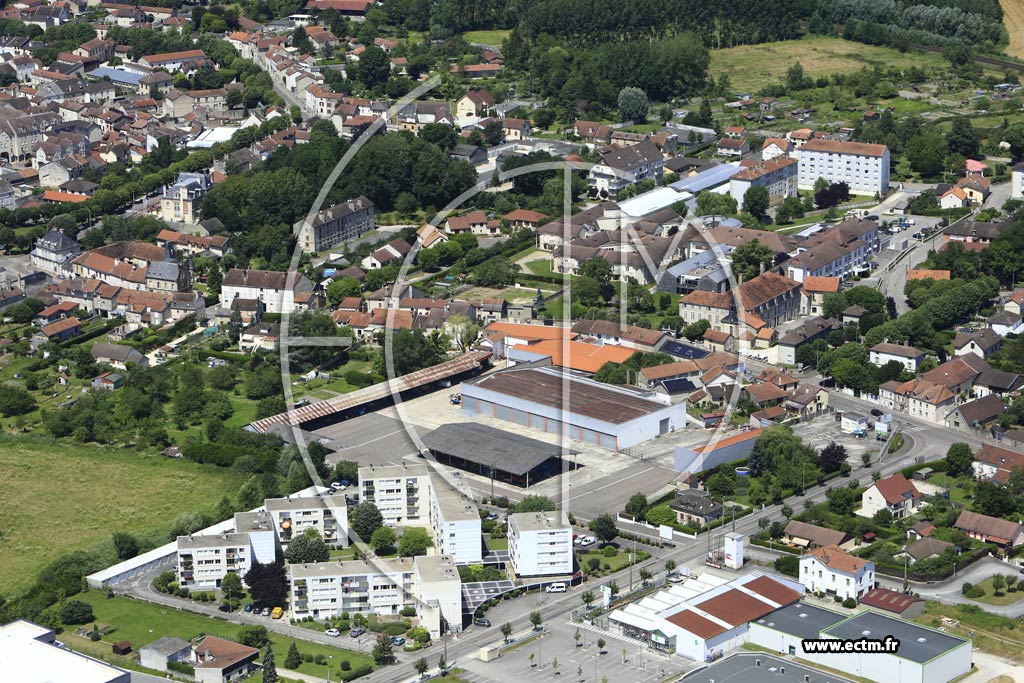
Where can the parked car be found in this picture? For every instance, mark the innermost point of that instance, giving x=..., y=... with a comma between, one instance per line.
x=876, y=412
x=482, y=622
x=332, y=632
x=872, y=217
x=225, y=607
x=397, y=641
x=266, y=612
x=277, y=613
x=247, y=607
x=356, y=632
x=555, y=588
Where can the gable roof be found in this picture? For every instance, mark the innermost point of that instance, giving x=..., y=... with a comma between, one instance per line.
x=926, y=547
x=901, y=350
x=896, y=489
x=836, y=558
x=982, y=410
x=818, y=283
x=1001, y=530
x=764, y=288
x=815, y=535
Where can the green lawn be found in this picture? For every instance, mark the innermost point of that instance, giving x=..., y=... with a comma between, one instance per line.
x=751, y=67
x=344, y=553
x=957, y=492
x=497, y=543
x=142, y=623
x=486, y=37
x=541, y=267
x=615, y=563
x=992, y=599
x=85, y=493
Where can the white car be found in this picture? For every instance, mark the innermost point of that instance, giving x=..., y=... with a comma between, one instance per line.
x=332, y=632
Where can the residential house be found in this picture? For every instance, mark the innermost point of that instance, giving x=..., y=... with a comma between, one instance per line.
x=179, y=202
x=622, y=167
x=53, y=251
x=117, y=355
x=977, y=414
x=954, y=198
x=395, y=249
x=923, y=549
x=474, y=222
x=591, y=131
x=475, y=103
x=810, y=536
x=909, y=357
x=1005, y=322
x=1001, y=532
x=277, y=291
x=975, y=187
x=260, y=336
x=59, y=331
x=732, y=147
x=918, y=397
x=695, y=508
x=998, y=382
x=832, y=571
x=523, y=219
x=184, y=61
x=778, y=176
x=810, y=329
x=983, y=342
x=108, y=381
x=813, y=292
x=773, y=148
x=215, y=660
x=630, y=336
x=893, y=494
x=474, y=155
x=995, y=464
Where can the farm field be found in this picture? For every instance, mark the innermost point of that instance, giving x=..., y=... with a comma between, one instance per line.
x=1013, y=19
x=88, y=492
x=750, y=67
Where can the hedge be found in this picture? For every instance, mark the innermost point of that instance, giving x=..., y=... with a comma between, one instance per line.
x=358, y=672
x=181, y=667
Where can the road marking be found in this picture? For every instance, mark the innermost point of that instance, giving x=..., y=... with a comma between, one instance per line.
x=397, y=431
x=614, y=483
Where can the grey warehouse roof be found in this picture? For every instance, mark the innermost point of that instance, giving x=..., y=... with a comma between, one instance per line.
x=801, y=620
x=743, y=667
x=489, y=446
x=918, y=644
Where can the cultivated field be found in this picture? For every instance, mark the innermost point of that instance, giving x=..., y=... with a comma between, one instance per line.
x=1013, y=19
x=751, y=67
x=61, y=497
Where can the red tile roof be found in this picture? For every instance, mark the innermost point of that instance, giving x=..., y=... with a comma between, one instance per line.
x=888, y=600
x=834, y=557
x=896, y=489
x=696, y=624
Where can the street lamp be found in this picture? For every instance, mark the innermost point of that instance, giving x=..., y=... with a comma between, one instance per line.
x=329, y=658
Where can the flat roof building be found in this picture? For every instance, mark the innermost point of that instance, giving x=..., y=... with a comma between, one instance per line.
x=604, y=415
x=540, y=543
x=757, y=667
x=29, y=654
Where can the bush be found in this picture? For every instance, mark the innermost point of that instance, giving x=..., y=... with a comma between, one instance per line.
x=790, y=565
x=359, y=671
x=181, y=668
x=849, y=603
x=307, y=657
x=161, y=582
x=182, y=592
x=593, y=564
x=346, y=665
x=75, y=612
x=408, y=611
x=610, y=551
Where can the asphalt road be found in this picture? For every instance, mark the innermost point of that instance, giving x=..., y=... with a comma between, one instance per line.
x=948, y=591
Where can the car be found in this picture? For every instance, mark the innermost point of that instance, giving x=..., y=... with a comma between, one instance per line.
x=265, y=612
x=344, y=482
x=482, y=622
x=277, y=613
x=332, y=632
x=493, y=516
x=872, y=217
x=876, y=412
x=397, y=641
x=247, y=607
x=356, y=632
x=555, y=588
x=225, y=608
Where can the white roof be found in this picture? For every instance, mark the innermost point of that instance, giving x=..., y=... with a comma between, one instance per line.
x=211, y=136
x=29, y=656
x=654, y=200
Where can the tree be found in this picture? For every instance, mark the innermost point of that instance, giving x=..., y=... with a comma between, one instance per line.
x=696, y=330
x=231, y=587
x=842, y=501
x=75, y=612
x=294, y=659
x=926, y=153
x=637, y=505
x=633, y=105
x=254, y=636
x=645, y=575
x=795, y=77
x=604, y=527
x=341, y=288
x=383, y=539
x=536, y=619
x=600, y=647
x=383, y=652
x=712, y=203
x=749, y=257
x=787, y=511
x=670, y=566
x=959, y=460
x=374, y=67
x=365, y=519
x=15, y=401
x=414, y=541
x=440, y=134
x=464, y=331
x=269, y=666
x=576, y=636
x=534, y=503
x=598, y=269
x=125, y=545
x=993, y=500
x=587, y=598
x=506, y=631
x=755, y=202
x=998, y=584
x=962, y=139
x=268, y=584
x=307, y=547
x=1014, y=136
x=832, y=457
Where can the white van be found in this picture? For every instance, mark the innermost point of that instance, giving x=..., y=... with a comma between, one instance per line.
x=555, y=588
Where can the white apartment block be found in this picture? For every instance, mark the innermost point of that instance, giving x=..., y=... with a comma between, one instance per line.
x=431, y=584
x=831, y=570
x=203, y=561
x=540, y=543
x=454, y=523
x=398, y=491
x=412, y=496
x=778, y=176
x=864, y=167
x=328, y=515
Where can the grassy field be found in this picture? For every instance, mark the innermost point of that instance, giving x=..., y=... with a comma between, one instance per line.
x=142, y=623
x=957, y=493
x=1013, y=19
x=992, y=599
x=751, y=67
x=87, y=493
x=991, y=633
x=486, y=37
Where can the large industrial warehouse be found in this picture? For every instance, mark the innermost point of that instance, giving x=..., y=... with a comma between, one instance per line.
x=605, y=415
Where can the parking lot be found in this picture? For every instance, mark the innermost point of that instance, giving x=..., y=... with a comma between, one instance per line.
x=817, y=433
x=620, y=660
